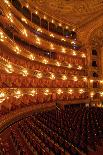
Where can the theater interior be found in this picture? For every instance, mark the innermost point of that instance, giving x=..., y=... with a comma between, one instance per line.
x=51, y=77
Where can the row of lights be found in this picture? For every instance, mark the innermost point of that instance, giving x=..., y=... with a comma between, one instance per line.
x=9, y=69
x=32, y=57
x=36, y=12
x=18, y=93
x=24, y=32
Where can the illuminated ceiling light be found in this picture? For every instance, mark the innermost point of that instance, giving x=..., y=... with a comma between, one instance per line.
x=79, y=67
x=9, y=68
x=63, y=50
x=52, y=46
x=33, y=92
x=24, y=20
x=58, y=63
x=32, y=57
x=59, y=91
x=52, y=76
x=46, y=92
x=51, y=35
x=83, y=55
x=75, y=78
x=64, y=77
x=9, y=16
x=39, y=75
x=52, y=21
x=45, y=61
x=2, y=97
x=18, y=94
x=24, y=72
x=81, y=91
x=7, y=2
x=66, y=27
x=69, y=66
x=74, y=53
x=84, y=78
x=36, y=12
x=39, y=30
x=24, y=32
x=17, y=49
x=73, y=42
x=70, y=91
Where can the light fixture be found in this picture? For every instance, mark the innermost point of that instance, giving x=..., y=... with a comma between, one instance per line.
x=18, y=94
x=45, y=61
x=24, y=20
x=33, y=92
x=58, y=63
x=39, y=75
x=46, y=92
x=83, y=55
x=24, y=72
x=81, y=91
x=9, y=16
x=39, y=30
x=69, y=66
x=24, y=32
x=59, y=91
x=52, y=76
x=9, y=68
x=70, y=91
x=2, y=97
x=79, y=67
x=32, y=57
x=64, y=77
x=75, y=78
x=51, y=35
x=17, y=49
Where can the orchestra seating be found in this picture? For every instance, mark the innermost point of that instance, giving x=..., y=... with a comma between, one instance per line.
x=72, y=131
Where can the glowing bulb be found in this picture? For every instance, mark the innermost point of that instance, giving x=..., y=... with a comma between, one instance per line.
x=51, y=35
x=52, y=76
x=33, y=92
x=83, y=55
x=9, y=68
x=63, y=39
x=24, y=32
x=17, y=94
x=75, y=78
x=32, y=57
x=17, y=50
x=70, y=91
x=79, y=67
x=2, y=97
x=24, y=20
x=52, y=46
x=92, y=94
x=64, y=77
x=81, y=91
x=84, y=78
x=74, y=53
x=39, y=75
x=24, y=72
x=58, y=63
x=9, y=16
x=52, y=21
x=39, y=30
x=45, y=61
x=69, y=66
x=46, y=92
x=59, y=91
x=63, y=50
x=36, y=12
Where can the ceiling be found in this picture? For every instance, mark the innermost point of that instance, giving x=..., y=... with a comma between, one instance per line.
x=74, y=12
